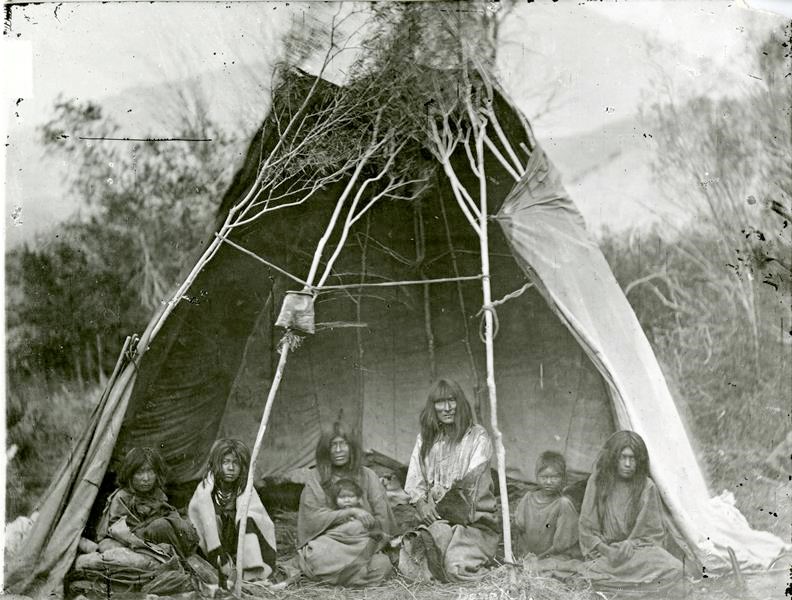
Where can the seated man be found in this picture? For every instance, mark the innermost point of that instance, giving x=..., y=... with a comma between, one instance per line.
x=546, y=521
x=621, y=523
x=449, y=484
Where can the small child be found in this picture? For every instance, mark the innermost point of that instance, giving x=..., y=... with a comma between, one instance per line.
x=348, y=495
x=547, y=522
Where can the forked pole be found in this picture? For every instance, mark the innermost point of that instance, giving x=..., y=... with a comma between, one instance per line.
x=240, y=553
x=489, y=336
x=285, y=347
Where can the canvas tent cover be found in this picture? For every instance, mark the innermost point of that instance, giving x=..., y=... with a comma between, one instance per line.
x=572, y=363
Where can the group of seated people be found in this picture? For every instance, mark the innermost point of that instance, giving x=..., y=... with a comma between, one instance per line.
x=346, y=531
x=143, y=538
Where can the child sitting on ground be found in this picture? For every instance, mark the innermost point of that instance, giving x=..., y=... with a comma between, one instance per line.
x=546, y=521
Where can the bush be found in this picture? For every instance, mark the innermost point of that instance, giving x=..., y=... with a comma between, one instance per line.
x=734, y=393
x=43, y=423
x=145, y=209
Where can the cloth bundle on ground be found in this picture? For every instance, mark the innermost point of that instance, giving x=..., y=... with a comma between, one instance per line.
x=259, y=545
x=456, y=478
x=343, y=553
x=151, y=569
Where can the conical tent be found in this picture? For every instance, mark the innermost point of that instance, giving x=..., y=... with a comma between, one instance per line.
x=403, y=305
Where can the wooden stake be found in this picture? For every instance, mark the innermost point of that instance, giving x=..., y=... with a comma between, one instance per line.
x=500, y=451
x=240, y=553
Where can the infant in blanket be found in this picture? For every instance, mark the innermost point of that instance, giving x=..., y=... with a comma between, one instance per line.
x=347, y=494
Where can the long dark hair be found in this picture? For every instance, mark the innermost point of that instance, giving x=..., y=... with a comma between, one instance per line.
x=606, y=471
x=137, y=458
x=431, y=428
x=235, y=447
x=323, y=463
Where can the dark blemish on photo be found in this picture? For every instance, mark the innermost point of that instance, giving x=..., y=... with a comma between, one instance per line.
x=771, y=283
x=7, y=20
x=131, y=139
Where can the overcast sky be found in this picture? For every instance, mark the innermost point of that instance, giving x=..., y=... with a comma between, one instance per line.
x=92, y=50
x=599, y=59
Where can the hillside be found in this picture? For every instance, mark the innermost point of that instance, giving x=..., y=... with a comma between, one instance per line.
x=606, y=170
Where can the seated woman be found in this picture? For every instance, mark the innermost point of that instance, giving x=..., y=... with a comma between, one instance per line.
x=546, y=521
x=339, y=543
x=215, y=510
x=621, y=523
x=450, y=485
x=138, y=513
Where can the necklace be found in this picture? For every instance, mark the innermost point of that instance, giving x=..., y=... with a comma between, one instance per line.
x=224, y=497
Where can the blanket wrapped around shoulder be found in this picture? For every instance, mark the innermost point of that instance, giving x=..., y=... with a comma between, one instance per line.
x=343, y=552
x=259, y=545
x=336, y=556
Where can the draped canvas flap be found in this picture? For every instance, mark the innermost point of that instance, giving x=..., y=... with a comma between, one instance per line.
x=549, y=240
x=51, y=546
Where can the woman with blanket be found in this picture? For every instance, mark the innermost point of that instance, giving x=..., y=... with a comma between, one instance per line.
x=621, y=522
x=215, y=510
x=450, y=485
x=138, y=514
x=329, y=549
x=144, y=544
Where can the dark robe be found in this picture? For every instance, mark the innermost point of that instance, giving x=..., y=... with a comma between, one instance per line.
x=341, y=551
x=150, y=518
x=650, y=567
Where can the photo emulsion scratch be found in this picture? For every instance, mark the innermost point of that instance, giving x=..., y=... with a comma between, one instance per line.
x=425, y=300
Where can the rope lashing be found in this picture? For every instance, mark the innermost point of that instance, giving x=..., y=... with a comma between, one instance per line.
x=398, y=283
x=291, y=340
x=317, y=289
x=495, y=323
x=494, y=304
x=244, y=250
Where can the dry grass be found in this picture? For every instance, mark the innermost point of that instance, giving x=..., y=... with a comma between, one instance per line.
x=503, y=583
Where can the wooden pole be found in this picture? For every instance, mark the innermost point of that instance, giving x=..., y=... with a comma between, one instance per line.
x=500, y=451
x=240, y=553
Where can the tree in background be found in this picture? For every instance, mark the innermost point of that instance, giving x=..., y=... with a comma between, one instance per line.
x=145, y=208
x=712, y=286
x=77, y=291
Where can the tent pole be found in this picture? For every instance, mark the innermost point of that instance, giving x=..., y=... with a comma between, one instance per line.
x=240, y=554
x=500, y=451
